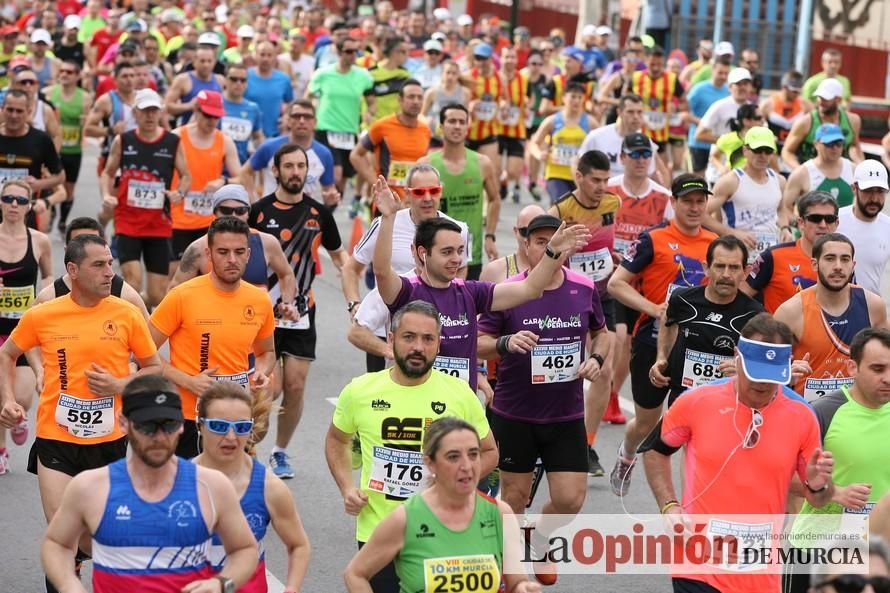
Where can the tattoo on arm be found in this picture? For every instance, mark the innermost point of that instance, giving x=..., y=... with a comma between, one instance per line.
x=190, y=260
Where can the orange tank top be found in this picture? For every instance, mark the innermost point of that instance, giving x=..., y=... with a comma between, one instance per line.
x=787, y=109
x=205, y=164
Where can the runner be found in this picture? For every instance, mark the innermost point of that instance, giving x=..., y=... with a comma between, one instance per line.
x=112, y=113
x=593, y=206
x=828, y=171
x=152, y=422
x=430, y=70
x=180, y=98
x=512, y=116
x=42, y=114
x=618, y=84
x=86, y=340
x=23, y=252
x=242, y=120
x=658, y=88
x=746, y=201
x=702, y=324
x=785, y=269
x=403, y=401
x=338, y=90
x=141, y=204
x=471, y=532
x=558, y=139
x=301, y=225
x=446, y=92
x=665, y=258
x=510, y=265
x=572, y=63
x=786, y=106
x=209, y=341
x=700, y=98
x=537, y=83
x=488, y=95
x=466, y=179
x=300, y=62
x=539, y=407
x=865, y=224
x=389, y=78
x=704, y=51
x=831, y=67
x=269, y=87
x=770, y=431
x=230, y=422
x=824, y=318
x=207, y=152
x=715, y=122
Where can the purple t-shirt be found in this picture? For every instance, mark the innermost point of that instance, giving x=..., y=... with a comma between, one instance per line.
x=543, y=386
x=458, y=306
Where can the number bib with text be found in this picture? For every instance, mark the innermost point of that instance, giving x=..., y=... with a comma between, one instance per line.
x=398, y=173
x=461, y=574
x=765, y=240
x=700, y=368
x=239, y=378
x=85, y=418
x=556, y=363
x=815, y=388
x=596, y=265
x=748, y=535
x=145, y=194
x=70, y=136
x=6, y=174
x=655, y=119
x=236, y=128
x=341, y=140
x=486, y=110
x=454, y=366
x=396, y=472
x=198, y=202
x=512, y=116
x=562, y=154
x=301, y=323
x=15, y=300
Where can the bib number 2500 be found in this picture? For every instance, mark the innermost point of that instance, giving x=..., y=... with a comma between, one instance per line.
x=455, y=583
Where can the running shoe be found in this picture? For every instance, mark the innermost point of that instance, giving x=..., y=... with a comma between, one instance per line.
x=280, y=465
x=356, y=452
x=515, y=196
x=356, y=207
x=19, y=432
x=4, y=462
x=593, y=464
x=535, y=192
x=613, y=414
x=544, y=570
x=619, y=479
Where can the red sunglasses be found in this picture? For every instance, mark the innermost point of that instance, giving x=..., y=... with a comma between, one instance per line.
x=418, y=192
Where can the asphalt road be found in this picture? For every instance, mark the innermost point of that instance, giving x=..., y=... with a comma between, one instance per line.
x=330, y=530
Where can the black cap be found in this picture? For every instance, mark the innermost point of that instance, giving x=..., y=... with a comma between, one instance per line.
x=636, y=141
x=152, y=405
x=688, y=183
x=128, y=46
x=542, y=221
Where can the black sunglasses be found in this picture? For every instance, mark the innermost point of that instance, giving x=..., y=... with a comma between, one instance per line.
x=856, y=583
x=349, y=52
x=232, y=210
x=835, y=144
x=150, y=427
x=27, y=81
x=820, y=218
x=237, y=79
x=763, y=150
x=20, y=200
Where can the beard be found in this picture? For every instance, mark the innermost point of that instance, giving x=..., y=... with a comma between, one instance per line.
x=413, y=372
x=864, y=208
x=824, y=281
x=149, y=454
x=829, y=110
x=294, y=185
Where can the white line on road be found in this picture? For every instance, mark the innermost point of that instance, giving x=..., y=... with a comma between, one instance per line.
x=275, y=586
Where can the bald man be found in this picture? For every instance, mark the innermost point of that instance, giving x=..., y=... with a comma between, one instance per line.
x=504, y=267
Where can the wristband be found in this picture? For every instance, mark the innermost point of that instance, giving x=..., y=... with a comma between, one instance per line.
x=491, y=236
x=548, y=251
x=815, y=490
x=501, y=345
x=482, y=369
x=669, y=505
x=597, y=357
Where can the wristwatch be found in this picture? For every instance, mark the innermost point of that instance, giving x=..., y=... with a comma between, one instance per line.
x=351, y=305
x=815, y=490
x=491, y=236
x=548, y=251
x=597, y=357
x=228, y=585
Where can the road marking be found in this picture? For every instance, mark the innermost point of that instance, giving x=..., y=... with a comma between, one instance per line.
x=332, y=401
x=275, y=586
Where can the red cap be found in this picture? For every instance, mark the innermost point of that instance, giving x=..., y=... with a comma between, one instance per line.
x=8, y=30
x=211, y=103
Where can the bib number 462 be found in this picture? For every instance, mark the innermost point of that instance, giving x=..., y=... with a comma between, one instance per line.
x=559, y=361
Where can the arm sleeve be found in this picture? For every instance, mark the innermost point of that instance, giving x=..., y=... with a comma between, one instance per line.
x=403, y=298
x=260, y=159
x=762, y=271
x=639, y=254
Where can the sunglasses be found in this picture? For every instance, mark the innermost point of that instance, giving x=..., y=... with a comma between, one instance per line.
x=835, y=144
x=237, y=79
x=67, y=71
x=434, y=52
x=233, y=210
x=27, y=81
x=763, y=150
x=856, y=583
x=20, y=200
x=220, y=426
x=306, y=116
x=820, y=218
x=536, y=63
x=523, y=231
x=349, y=52
x=752, y=436
x=639, y=154
x=151, y=427
x=418, y=192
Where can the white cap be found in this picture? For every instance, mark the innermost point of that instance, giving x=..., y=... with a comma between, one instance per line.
x=870, y=173
x=146, y=98
x=828, y=89
x=464, y=20
x=724, y=48
x=432, y=45
x=72, y=21
x=222, y=13
x=209, y=39
x=438, y=36
x=41, y=36
x=442, y=14
x=588, y=31
x=738, y=75
x=172, y=15
x=603, y=30
x=246, y=32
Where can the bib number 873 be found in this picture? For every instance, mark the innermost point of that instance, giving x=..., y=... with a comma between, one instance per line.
x=455, y=583
x=85, y=416
x=559, y=361
x=414, y=472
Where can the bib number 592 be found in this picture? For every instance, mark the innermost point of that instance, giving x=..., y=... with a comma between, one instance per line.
x=85, y=416
x=456, y=583
x=559, y=361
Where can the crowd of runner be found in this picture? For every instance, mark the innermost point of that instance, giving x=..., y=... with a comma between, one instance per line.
x=684, y=227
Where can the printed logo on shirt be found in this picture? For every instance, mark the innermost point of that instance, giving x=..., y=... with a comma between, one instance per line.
x=549, y=322
x=437, y=407
x=249, y=313
x=715, y=317
x=272, y=224
x=109, y=327
x=424, y=531
x=255, y=521
x=380, y=404
x=674, y=246
x=793, y=268
x=183, y=511
x=122, y=513
x=462, y=320
x=724, y=343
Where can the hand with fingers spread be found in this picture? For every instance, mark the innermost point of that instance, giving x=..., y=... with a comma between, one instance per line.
x=386, y=202
x=569, y=239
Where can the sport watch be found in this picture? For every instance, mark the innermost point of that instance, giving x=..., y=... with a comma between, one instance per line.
x=228, y=585
x=352, y=305
x=548, y=251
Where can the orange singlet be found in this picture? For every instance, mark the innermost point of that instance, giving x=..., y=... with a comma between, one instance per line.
x=205, y=164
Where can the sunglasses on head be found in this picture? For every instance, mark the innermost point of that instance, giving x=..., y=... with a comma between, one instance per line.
x=151, y=427
x=233, y=210
x=856, y=583
x=820, y=218
x=642, y=153
x=220, y=426
x=419, y=192
x=752, y=437
x=20, y=200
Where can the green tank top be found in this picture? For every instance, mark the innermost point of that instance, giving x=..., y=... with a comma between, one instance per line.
x=435, y=558
x=838, y=188
x=70, y=113
x=462, y=199
x=807, y=148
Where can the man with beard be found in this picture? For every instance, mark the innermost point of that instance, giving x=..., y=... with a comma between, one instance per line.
x=389, y=410
x=86, y=339
x=866, y=225
x=301, y=224
x=96, y=501
x=828, y=171
x=825, y=317
x=214, y=322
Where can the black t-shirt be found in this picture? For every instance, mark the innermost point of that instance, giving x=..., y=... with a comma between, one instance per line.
x=707, y=334
x=70, y=52
x=31, y=152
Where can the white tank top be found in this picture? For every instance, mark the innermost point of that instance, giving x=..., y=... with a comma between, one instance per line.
x=753, y=207
x=817, y=176
x=39, y=119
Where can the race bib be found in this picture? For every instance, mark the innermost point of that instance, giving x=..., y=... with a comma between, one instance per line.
x=341, y=140
x=70, y=136
x=236, y=128
x=396, y=472
x=596, y=265
x=512, y=117
x=198, y=202
x=622, y=245
x=815, y=388
x=556, y=363
x=239, y=378
x=756, y=536
x=866, y=510
x=765, y=240
x=563, y=154
x=655, y=119
x=15, y=300
x=6, y=174
x=676, y=120
x=398, y=173
x=700, y=368
x=461, y=574
x=85, y=418
x=456, y=367
x=145, y=194
x=301, y=323
x=486, y=110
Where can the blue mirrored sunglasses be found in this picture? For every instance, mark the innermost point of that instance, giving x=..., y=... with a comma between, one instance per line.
x=220, y=426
